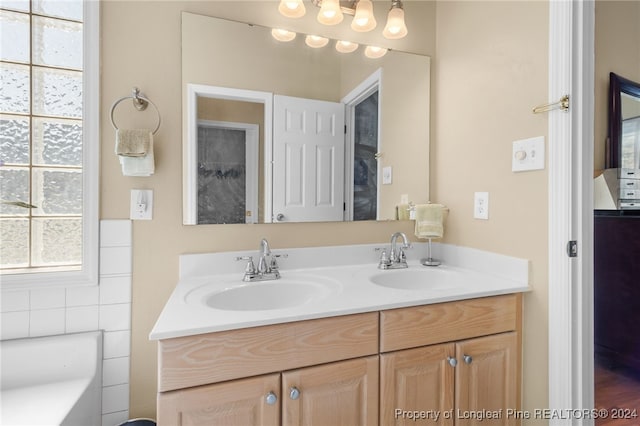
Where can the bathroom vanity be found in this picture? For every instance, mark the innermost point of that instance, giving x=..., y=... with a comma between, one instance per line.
x=380, y=347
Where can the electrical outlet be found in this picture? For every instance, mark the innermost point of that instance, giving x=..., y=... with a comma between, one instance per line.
x=141, y=204
x=481, y=205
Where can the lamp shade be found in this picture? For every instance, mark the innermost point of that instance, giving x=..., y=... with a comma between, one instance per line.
x=282, y=35
x=316, y=41
x=291, y=8
x=364, y=20
x=395, y=28
x=330, y=12
x=344, y=46
x=374, y=52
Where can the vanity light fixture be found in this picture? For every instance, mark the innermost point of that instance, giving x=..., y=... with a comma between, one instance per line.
x=374, y=52
x=363, y=20
x=395, y=28
x=292, y=8
x=332, y=13
x=344, y=46
x=316, y=41
x=282, y=35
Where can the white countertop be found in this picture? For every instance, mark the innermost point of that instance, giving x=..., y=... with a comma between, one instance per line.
x=464, y=274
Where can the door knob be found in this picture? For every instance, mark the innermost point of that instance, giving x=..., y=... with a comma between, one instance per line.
x=452, y=361
x=294, y=393
x=468, y=359
x=271, y=398
x=280, y=217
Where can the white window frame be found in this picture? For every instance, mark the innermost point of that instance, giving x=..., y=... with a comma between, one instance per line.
x=88, y=273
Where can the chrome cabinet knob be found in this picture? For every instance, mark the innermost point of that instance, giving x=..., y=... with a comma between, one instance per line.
x=468, y=359
x=280, y=217
x=452, y=361
x=294, y=393
x=271, y=398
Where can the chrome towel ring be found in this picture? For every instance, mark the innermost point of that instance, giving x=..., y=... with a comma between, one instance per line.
x=140, y=102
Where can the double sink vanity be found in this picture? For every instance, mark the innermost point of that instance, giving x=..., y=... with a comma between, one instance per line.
x=338, y=340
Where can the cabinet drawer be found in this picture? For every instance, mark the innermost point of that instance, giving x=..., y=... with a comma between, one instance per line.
x=226, y=355
x=629, y=194
x=444, y=322
x=629, y=184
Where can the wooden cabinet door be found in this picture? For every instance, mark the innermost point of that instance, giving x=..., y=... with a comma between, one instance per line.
x=486, y=379
x=417, y=386
x=240, y=402
x=343, y=393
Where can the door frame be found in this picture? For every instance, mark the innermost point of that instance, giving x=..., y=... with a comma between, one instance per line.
x=570, y=287
x=357, y=95
x=252, y=146
x=190, y=149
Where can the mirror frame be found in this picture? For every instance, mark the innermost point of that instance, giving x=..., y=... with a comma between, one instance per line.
x=617, y=86
x=190, y=154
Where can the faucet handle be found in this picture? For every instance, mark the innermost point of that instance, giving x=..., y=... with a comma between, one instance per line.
x=274, y=263
x=384, y=257
x=250, y=268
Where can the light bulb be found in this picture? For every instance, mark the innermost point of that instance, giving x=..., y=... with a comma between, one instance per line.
x=375, y=52
x=395, y=28
x=316, y=41
x=330, y=12
x=291, y=8
x=344, y=46
x=282, y=35
x=364, y=20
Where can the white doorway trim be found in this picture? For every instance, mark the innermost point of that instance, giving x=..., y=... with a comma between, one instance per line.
x=571, y=71
x=362, y=91
x=190, y=153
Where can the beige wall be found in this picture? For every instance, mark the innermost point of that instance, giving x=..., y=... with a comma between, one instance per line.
x=617, y=43
x=489, y=71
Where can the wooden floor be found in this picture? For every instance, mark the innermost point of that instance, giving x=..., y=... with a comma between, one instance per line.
x=619, y=394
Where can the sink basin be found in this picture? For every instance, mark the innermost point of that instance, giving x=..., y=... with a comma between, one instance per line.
x=417, y=279
x=263, y=295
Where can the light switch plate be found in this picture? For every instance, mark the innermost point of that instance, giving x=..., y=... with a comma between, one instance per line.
x=386, y=175
x=141, y=204
x=528, y=154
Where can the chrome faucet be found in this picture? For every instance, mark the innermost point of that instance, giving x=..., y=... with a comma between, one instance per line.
x=396, y=259
x=267, y=265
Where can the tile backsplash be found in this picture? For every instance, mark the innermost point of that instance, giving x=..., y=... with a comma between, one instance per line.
x=107, y=307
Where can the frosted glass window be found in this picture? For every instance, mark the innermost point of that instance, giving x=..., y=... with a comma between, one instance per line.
x=14, y=250
x=14, y=140
x=57, y=92
x=57, y=43
x=42, y=157
x=14, y=36
x=21, y=5
x=57, y=142
x=57, y=192
x=14, y=187
x=68, y=9
x=56, y=242
x=14, y=88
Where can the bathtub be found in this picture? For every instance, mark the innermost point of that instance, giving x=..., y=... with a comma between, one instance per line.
x=54, y=380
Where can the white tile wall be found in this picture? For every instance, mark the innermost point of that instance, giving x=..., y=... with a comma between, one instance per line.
x=107, y=307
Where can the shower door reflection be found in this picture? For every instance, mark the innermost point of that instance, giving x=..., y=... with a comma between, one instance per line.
x=227, y=177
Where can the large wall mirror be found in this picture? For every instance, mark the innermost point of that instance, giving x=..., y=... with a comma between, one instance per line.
x=280, y=132
x=624, y=123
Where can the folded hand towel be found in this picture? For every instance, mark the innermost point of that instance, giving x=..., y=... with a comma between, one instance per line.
x=133, y=142
x=429, y=220
x=138, y=166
